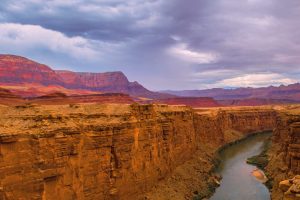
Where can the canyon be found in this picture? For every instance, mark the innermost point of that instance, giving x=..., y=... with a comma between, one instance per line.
x=117, y=151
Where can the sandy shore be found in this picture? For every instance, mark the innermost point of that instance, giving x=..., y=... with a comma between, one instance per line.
x=259, y=175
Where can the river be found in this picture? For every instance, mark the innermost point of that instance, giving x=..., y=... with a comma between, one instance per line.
x=238, y=182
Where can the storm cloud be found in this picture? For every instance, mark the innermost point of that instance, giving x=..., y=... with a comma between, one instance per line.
x=162, y=44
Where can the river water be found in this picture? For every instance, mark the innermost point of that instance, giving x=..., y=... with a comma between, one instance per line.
x=238, y=182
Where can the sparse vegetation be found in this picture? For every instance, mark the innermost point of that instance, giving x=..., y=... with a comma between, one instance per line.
x=261, y=160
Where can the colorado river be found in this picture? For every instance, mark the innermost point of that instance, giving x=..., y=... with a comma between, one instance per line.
x=238, y=182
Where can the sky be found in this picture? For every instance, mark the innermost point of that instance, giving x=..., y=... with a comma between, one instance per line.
x=162, y=44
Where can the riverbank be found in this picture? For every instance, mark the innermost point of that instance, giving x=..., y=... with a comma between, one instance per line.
x=261, y=161
x=238, y=182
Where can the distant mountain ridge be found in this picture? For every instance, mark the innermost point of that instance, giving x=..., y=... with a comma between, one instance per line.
x=27, y=78
x=289, y=92
x=20, y=70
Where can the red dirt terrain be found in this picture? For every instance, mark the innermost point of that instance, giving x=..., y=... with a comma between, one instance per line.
x=35, y=90
x=8, y=98
x=60, y=99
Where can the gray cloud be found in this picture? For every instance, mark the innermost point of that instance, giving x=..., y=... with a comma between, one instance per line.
x=163, y=44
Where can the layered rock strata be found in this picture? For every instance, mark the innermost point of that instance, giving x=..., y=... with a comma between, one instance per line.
x=285, y=151
x=8, y=98
x=29, y=78
x=114, y=151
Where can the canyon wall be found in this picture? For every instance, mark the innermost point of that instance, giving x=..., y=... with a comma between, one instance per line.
x=220, y=126
x=110, y=151
x=285, y=151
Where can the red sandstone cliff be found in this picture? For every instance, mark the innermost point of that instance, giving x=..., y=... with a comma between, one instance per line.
x=106, y=82
x=30, y=78
x=16, y=69
x=285, y=151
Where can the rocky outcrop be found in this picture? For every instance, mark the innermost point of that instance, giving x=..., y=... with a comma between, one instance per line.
x=285, y=150
x=113, y=151
x=106, y=82
x=94, y=80
x=291, y=188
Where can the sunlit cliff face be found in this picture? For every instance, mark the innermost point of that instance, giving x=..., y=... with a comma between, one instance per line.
x=200, y=44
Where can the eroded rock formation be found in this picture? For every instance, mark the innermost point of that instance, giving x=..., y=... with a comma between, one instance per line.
x=285, y=151
x=291, y=188
x=115, y=151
